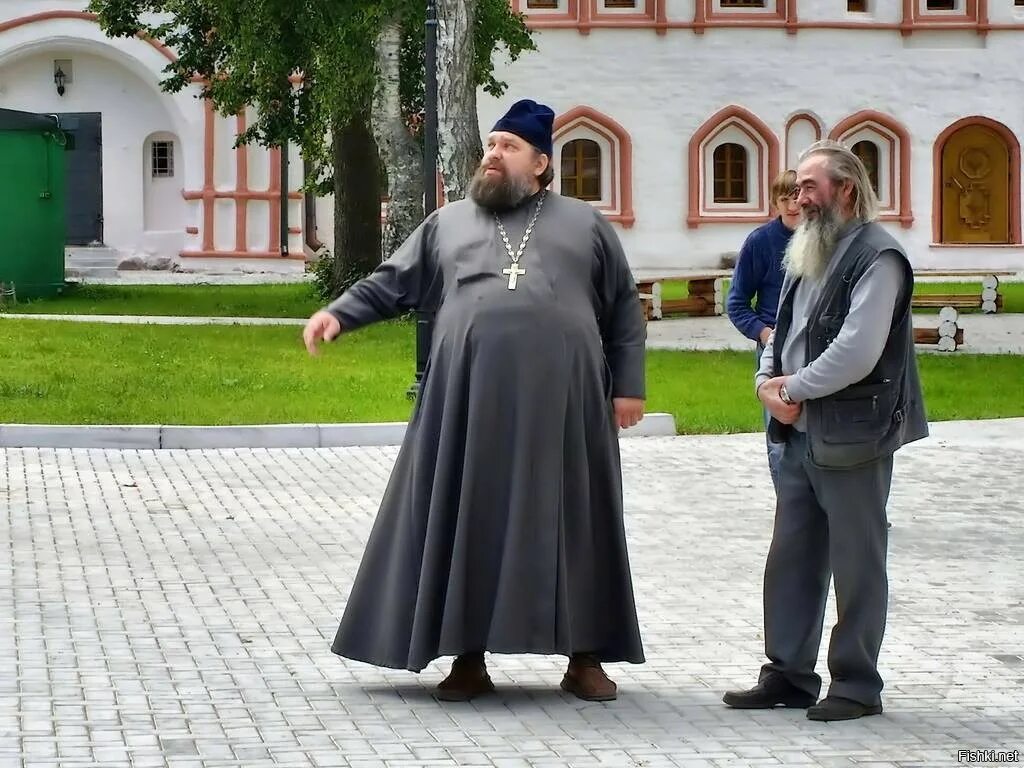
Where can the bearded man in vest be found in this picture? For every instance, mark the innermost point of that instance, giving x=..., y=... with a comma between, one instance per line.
x=839, y=378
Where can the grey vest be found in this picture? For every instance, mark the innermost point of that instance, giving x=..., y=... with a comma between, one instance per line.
x=883, y=411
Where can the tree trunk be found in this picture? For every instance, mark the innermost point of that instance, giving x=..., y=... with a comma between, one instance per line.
x=459, y=145
x=356, y=202
x=398, y=149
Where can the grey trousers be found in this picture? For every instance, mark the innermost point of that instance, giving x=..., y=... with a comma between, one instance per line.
x=827, y=522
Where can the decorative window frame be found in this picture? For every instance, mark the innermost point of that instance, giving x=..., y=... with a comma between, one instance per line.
x=585, y=122
x=971, y=15
x=739, y=125
x=710, y=13
x=568, y=11
x=1015, y=180
x=809, y=117
x=584, y=15
x=894, y=174
x=645, y=13
x=967, y=11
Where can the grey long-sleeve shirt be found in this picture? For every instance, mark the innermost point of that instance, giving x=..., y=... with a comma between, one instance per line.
x=856, y=349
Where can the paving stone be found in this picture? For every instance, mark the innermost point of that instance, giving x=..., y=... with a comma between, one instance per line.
x=174, y=609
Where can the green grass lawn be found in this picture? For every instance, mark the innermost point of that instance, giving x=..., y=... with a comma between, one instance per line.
x=273, y=300
x=74, y=373
x=283, y=300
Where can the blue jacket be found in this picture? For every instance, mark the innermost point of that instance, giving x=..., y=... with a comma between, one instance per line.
x=758, y=274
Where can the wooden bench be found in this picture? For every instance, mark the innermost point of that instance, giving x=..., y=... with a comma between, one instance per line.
x=988, y=300
x=705, y=297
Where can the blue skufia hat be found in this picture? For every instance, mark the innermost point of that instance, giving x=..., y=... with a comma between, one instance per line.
x=531, y=122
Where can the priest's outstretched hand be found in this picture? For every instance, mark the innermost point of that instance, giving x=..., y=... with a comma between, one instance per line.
x=628, y=411
x=322, y=326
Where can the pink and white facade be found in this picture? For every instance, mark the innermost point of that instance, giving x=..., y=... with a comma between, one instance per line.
x=688, y=108
x=660, y=85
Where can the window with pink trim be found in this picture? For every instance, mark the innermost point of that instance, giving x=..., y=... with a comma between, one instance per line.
x=594, y=158
x=944, y=11
x=711, y=12
x=883, y=145
x=730, y=184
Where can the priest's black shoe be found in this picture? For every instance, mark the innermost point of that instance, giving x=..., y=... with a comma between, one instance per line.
x=838, y=708
x=467, y=680
x=774, y=691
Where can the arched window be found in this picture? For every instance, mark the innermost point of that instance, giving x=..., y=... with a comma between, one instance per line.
x=867, y=151
x=730, y=161
x=732, y=156
x=581, y=169
x=802, y=130
x=593, y=161
x=883, y=145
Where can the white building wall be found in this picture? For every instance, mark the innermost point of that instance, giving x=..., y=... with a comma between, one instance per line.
x=120, y=78
x=662, y=88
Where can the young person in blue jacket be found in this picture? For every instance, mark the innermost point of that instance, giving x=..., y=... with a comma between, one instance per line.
x=757, y=280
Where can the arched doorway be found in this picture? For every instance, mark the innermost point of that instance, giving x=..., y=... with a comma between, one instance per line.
x=111, y=103
x=976, y=182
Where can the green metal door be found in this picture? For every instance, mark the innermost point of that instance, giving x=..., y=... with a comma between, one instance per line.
x=32, y=222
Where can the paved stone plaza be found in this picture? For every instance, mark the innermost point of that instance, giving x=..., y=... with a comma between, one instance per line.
x=172, y=608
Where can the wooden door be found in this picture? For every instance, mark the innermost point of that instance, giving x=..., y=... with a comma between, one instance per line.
x=975, y=187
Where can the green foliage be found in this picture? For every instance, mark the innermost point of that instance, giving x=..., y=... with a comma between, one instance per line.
x=330, y=281
x=323, y=276
x=244, y=51
x=498, y=27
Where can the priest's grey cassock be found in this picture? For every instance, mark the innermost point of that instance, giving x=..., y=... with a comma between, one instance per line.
x=502, y=525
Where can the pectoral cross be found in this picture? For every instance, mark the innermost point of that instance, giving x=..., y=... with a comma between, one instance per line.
x=513, y=273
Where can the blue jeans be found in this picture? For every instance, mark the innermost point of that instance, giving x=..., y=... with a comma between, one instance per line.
x=774, y=449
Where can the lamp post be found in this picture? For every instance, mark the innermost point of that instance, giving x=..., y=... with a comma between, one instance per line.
x=424, y=318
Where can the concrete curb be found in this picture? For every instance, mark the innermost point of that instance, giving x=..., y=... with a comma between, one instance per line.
x=156, y=437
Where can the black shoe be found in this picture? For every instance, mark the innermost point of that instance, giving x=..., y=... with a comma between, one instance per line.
x=467, y=680
x=771, y=692
x=838, y=708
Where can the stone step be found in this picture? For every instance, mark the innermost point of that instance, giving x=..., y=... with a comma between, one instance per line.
x=92, y=257
x=91, y=261
x=80, y=271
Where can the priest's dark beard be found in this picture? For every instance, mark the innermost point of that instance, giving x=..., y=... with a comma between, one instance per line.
x=502, y=194
x=812, y=244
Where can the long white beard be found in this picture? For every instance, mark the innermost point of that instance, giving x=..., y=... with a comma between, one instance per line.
x=812, y=244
